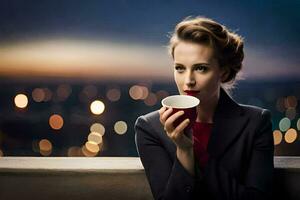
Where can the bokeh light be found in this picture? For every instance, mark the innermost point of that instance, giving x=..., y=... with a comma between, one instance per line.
x=136, y=92
x=56, y=121
x=38, y=95
x=74, y=151
x=290, y=113
x=92, y=146
x=48, y=94
x=21, y=100
x=113, y=94
x=284, y=124
x=120, y=127
x=63, y=92
x=90, y=91
x=145, y=92
x=291, y=102
x=298, y=124
x=97, y=127
x=161, y=94
x=151, y=100
x=97, y=107
x=290, y=136
x=45, y=147
x=95, y=137
x=277, y=135
x=86, y=152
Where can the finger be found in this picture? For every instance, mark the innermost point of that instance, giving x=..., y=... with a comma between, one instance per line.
x=179, y=129
x=171, y=119
x=165, y=115
x=162, y=109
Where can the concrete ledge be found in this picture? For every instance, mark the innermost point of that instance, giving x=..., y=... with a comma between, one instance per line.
x=108, y=178
x=74, y=178
x=72, y=164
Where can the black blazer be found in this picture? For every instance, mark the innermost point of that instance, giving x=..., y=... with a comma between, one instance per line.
x=241, y=151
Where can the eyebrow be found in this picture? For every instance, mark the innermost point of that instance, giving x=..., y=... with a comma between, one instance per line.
x=194, y=64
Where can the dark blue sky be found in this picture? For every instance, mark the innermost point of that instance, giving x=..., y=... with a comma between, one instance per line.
x=270, y=26
x=268, y=22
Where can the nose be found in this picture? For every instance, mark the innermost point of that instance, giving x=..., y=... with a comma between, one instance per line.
x=190, y=79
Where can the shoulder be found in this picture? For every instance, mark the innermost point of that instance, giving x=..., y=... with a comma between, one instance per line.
x=149, y=121
x=260, y=118
x=149, y=117
x=255, y=111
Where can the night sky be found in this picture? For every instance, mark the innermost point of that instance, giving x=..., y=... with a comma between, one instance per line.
x=270, y=28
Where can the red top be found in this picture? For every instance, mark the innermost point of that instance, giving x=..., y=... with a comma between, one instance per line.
x=201, y=134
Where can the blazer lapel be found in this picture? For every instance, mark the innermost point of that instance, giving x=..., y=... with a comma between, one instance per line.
x=229, y=121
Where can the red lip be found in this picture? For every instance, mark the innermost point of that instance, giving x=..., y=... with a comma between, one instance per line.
x=191, y=92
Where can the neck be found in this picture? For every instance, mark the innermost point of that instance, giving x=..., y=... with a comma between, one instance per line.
x=206, y=109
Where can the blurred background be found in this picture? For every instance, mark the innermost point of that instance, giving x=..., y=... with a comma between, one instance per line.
x=75, y=75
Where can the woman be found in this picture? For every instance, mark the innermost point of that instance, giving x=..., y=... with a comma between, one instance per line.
x=230, y=152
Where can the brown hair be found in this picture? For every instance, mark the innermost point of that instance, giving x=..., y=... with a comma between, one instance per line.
x=227, y=45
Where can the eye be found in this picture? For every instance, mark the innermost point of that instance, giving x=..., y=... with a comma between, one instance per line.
x=201, y=68
x=179, y=68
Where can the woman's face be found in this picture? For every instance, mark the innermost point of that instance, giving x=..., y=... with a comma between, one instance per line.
x=196, y=71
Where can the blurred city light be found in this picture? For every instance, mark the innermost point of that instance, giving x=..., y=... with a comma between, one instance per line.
x=56, y=121
x=21, y=100
x=95, y=137
x=136, y=92
x=291, y=113
x=48, y=94
x=113, y=94
x=97, y=107
x=161, y=94
x=88, y=153
x=284, y=124
x=45, y=147
x=291, y=102
x=38, y=95
x=97, y=127
x=290, y=136
x=120, y=127
x=277, y=137
x=151, y=100
x=92, y=146
x=63, y=92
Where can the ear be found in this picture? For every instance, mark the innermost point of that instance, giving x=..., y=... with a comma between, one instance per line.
x=224, y=74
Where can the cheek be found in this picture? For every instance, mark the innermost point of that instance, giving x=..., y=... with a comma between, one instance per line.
x=208, y=81
x=178, y=79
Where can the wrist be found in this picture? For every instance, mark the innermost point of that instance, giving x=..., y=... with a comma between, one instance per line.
x=185, y=151
x=186, y=158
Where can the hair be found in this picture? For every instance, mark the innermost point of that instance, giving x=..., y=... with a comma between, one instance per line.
x=228, y=46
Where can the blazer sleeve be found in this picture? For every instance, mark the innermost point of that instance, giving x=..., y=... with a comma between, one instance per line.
x=168, y=179
x=258, y=182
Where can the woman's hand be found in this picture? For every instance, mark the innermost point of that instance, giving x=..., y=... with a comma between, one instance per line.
x=176, y=134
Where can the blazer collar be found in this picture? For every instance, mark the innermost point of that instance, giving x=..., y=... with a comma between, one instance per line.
x=228, y=122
